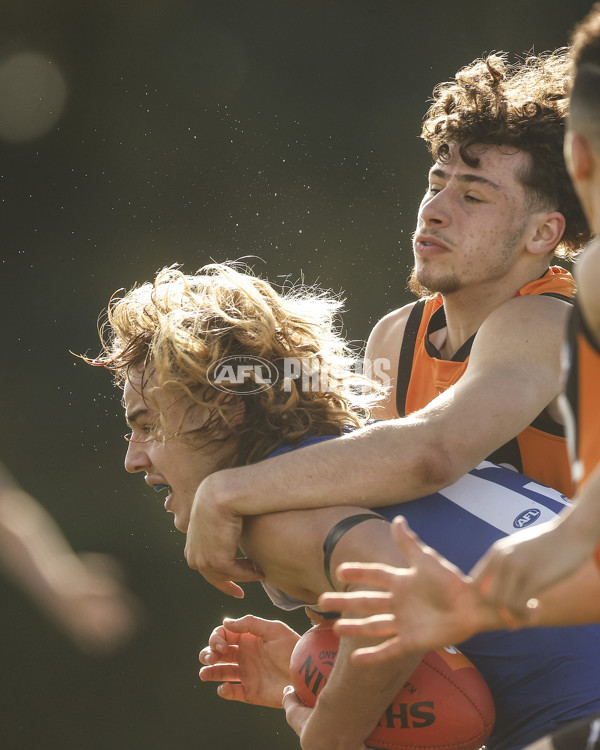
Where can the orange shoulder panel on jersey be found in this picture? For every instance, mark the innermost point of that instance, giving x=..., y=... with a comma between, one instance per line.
x=540, y=450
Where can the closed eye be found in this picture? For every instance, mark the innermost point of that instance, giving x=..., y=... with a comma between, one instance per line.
x=140, y=434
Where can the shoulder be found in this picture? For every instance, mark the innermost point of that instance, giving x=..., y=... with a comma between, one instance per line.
x=392, y=323
x=523, y=317
x=382, y=355
x=386, y=337
x=518, y=347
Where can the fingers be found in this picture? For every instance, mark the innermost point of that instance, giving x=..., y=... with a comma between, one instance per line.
x=232, y=692
x=360, y=602
x=380, y=626
x=221, y=647
x=211, y=655
x=254, y=625
x=227, y=587
x=501, y=584
x=390, y=649
x=220, y=673
x=407, y=541
x=239, y=568
x=371, y=574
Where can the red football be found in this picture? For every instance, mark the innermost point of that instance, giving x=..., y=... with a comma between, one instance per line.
x=445, y=703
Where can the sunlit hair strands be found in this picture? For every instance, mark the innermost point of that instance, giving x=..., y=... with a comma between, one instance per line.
x=178, y=327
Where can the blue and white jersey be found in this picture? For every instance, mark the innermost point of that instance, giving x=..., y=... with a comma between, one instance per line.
x=484, y=505
x=540, y=678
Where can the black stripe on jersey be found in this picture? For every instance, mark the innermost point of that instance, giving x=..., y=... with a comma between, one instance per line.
x=407, y=352
x=436, y=322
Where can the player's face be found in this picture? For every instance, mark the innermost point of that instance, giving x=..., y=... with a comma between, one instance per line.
x=172, y=465
x=472, y=222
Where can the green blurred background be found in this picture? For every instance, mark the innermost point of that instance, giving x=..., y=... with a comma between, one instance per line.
x=142, y=133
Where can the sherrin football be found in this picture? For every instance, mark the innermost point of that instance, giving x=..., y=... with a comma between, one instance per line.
x=444, y=704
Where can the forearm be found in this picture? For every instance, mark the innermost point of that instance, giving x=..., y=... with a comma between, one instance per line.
x=33, y=551
x=574, y=601
x=385, y=463
x=583, y=519
x=354, y=699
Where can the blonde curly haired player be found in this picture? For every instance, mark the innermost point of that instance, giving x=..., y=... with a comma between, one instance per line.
x=185, y=326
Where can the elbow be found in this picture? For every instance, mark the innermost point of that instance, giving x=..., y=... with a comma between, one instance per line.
x=438, y=468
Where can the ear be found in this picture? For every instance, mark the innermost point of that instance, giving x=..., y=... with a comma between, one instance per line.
x=579, y=156
x=548, y=232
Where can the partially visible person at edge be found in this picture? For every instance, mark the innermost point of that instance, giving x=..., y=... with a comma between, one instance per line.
x=190, y=416
x=558, y=561
x=475, y=363
x=83, y=595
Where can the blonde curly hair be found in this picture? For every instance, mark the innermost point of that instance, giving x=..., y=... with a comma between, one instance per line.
x=178, y=328
x=522, y=105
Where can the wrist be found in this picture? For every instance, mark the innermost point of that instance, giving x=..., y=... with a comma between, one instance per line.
x=323, y=732
x=582, y=528
x=226, y=493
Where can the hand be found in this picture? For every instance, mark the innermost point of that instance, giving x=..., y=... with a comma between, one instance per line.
x=519, y=567
x=212, y=540
x=250, y=657
x=297, y=715
x=425, y=606
x=92, y=606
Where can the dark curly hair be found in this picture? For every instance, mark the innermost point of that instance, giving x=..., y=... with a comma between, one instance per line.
x=523, y=105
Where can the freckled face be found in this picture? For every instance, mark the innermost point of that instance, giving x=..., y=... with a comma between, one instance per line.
x=472, y=222
x=172, y=464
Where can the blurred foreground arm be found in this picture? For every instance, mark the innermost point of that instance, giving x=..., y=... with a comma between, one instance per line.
x=81, y=594
x=519, y=567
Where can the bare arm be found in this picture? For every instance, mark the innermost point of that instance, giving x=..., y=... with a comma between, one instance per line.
x=511, y=379
x=80, y=594
x=288, y=547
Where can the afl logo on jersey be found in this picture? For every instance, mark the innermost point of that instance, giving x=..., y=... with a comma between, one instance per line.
x=526, y=518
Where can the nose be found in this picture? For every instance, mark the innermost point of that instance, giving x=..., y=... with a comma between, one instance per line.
x=136, y=458
x=434, y=210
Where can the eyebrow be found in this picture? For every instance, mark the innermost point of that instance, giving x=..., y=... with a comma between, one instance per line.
x=467, y=177
x=135, y=415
